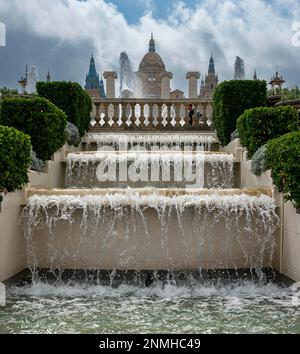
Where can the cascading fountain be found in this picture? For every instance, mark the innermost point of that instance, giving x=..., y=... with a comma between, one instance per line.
x=132, y=256
x=160, y=205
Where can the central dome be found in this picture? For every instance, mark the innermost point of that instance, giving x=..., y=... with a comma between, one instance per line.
x=152, y=60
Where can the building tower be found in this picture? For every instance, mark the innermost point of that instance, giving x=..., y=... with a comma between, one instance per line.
x=211, y=81
x=48, y=76
x=93, y=85
x=277, y=83
x=239, y=69
x=152, y=80
x=255, y=78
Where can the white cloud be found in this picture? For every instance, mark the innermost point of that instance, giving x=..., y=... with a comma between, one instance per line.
x=257, y=31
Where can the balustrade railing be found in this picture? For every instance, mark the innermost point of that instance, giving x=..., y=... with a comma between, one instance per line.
x=151, y=114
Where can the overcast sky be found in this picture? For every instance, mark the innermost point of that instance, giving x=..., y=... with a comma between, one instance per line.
x=62, y=34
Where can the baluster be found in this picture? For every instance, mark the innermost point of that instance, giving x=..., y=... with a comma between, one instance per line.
x=106, y=117
x=97, y=118
x=169, y=117
x=132, y=117
x=123, y=117
x=177, y=116
x=151, y=116
x=186, y=117
x=159, y=116
x=142, y=117
x=115, y=116
x=196, y=122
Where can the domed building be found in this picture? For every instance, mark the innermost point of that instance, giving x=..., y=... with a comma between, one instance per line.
x=152, y=80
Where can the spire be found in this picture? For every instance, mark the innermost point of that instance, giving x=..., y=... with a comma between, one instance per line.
x=92, y=69
x=211, y=67
x=48, y=76
x=255, y=75
x=152, y=44
x=92, y=78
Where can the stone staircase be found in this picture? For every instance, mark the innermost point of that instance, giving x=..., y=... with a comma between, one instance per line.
x=151, y=202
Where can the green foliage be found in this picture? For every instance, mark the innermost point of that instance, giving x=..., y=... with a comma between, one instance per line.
x=39, y=118
x=258, y=162
x=72, y=99
x=15, y=150
x=231, y=99
x=258, y=125
x=290, y=93
x=6, y=92
x=283, y=157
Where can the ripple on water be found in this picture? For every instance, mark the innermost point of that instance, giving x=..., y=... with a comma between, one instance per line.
x=246, y=307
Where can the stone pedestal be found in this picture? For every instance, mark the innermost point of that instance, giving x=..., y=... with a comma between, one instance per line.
x=165, y=85
x=110, y=77
x=193, y=76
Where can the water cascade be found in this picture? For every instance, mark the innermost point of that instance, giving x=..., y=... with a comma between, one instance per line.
x=161, y=255
x=124, y=141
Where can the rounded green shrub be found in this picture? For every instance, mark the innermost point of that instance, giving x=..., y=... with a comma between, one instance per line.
x=231, y=99
x=258, y=125
x=39, y=118
x=283, y=157
x=72, y=99
x=15, y=157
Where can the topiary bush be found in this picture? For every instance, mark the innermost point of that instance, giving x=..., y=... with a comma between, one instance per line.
x=283, y=157
x=72, y=99
x=15, y=148
x=39, y=118
x=231, y=99
x=258, y=162
x=258, y=125
x=72, y=133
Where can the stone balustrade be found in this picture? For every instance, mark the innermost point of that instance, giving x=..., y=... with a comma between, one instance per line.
x=113, y=114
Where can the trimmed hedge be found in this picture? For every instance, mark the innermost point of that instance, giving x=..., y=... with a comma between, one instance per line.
x=283, y=157
x=38, y=118
x=258, y=125
x=15, y=156
x=231, y=99
x=72, y=99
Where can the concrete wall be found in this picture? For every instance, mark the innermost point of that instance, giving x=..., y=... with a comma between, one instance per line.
x=289, y=244
x=12, y=242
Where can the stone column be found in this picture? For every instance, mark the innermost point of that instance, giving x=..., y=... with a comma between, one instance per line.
x=193, y=76
x=165, y=85
x=110, y=77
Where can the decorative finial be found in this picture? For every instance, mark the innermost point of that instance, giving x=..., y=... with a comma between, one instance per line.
x=152, y=44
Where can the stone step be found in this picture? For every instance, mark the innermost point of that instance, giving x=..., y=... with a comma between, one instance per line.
x=165, y=192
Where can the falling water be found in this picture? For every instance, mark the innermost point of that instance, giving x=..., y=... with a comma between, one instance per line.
x=89, y=170
x=126, y=74
x=124, y=141
x=112, y=230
